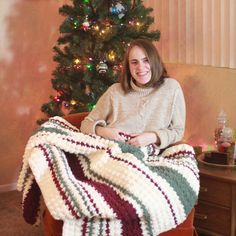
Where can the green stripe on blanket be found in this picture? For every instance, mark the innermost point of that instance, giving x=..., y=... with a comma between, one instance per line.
x=180, y=185
x=185, y=192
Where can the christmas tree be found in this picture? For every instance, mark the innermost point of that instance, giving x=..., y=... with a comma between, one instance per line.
x=89, y=52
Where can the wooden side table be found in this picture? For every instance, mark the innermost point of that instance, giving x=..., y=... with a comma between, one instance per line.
x=216, y=207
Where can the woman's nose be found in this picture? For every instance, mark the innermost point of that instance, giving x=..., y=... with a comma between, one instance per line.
x=140, y=65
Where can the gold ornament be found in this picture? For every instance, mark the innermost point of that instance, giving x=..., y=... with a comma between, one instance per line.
x=111, y=55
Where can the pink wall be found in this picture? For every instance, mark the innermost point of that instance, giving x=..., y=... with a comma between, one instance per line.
x=29, y=30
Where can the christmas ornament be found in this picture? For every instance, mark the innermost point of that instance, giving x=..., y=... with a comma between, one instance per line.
x=118, y=10
x=111, y=55
x=102, y=67
x=57, y=99
x=86, y=24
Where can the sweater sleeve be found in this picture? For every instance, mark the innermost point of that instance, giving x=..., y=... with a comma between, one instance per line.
x=98, y=116
x=175, y=131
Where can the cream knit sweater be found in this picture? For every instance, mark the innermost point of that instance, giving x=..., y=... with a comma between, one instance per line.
x=160, y=110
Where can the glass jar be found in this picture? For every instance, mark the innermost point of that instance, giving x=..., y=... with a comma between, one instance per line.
x=221, y=124
x=225, y=140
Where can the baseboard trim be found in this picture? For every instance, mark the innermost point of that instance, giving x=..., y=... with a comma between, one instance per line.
x=8, y=187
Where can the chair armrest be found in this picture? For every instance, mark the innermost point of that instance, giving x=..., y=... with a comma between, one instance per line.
x=76, y=118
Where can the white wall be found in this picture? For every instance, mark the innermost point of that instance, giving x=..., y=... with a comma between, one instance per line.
x=201, y=32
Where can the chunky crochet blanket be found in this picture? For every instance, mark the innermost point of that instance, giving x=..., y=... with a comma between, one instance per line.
x=101, y=187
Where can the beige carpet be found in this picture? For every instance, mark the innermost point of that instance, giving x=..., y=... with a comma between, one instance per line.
x=11, y=219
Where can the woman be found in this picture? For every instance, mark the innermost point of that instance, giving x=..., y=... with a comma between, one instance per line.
x=111, y=188
x=146, y=108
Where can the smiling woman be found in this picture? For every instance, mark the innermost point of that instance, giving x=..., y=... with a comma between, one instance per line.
x=130, y=108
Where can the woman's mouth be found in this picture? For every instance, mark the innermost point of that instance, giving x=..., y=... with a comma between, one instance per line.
x=142, y=73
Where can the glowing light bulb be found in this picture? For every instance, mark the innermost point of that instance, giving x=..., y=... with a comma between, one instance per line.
x=77, y=61
x=96, y=27
x=73, y=102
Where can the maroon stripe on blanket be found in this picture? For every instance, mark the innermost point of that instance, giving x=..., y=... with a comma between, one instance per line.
x=84, y=226
x=107, y=227
x=57, y=183
x=31, y=204
x=123, y=209
x=109, y=151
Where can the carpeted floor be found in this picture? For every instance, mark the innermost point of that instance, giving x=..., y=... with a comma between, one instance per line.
x=12, y=222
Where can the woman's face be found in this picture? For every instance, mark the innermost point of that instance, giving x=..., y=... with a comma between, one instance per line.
x=139, y=66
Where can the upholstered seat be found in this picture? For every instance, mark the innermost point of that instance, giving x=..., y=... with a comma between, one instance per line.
x=53, y=227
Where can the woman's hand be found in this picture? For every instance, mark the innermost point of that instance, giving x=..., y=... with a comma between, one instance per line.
x=110, y=133
x=144, y=139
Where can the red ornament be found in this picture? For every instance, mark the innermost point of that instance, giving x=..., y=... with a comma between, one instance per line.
x=86, y=24
x=57, y=99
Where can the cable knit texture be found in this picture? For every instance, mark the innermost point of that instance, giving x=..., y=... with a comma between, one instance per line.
x=100, y=187
x=160, y=110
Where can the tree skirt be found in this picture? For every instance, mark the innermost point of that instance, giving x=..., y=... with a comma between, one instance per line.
x=101, y=187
